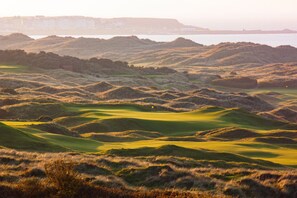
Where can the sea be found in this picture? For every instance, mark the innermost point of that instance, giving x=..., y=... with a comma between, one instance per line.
x=273, y=40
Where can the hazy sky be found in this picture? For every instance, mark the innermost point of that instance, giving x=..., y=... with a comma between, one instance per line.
x=214, y=14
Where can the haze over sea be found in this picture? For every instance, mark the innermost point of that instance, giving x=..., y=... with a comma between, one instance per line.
x=209, y=39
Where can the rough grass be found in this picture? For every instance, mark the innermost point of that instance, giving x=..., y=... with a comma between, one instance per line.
x=172, y=150
x=27, y=174
x=229, y=133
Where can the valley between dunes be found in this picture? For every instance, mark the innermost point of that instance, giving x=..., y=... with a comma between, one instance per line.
x=178, y=118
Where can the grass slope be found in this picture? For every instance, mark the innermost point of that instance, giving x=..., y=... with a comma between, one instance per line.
x=114, y=118
x=105, y=120
x=67, y=142
x=173, y=150
x=17, y=139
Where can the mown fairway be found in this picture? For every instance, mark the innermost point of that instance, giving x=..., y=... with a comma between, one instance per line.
x=108, y=119
x=172, y=123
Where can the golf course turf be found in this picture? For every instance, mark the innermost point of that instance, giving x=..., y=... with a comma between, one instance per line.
x=123, y=122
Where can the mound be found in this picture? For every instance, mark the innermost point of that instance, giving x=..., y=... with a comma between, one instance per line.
x=15, y=38
x=276, y=140
x=126, y=124
x=98, y=87
x=182, y=105
x=168, y=96
x=72, y=121
x=187, y=139
x=55, y=128
x=8, y=91
x=89, y=127
x=124, y=93
x=228, y=100
x=126, y=136
x=73, y=94
x=172, y=150
x=129, y=41
x=270, y=97
x=9, y=101
x=238, y=82
x=86, y=43
x=3, y=114
x=244, y=118
x=14, y=83
x=91, y=169
x=111, y=138
x=34, y=110
x=286, y=114
x=198, y=100
x=244, y=53
x=279, y=83
x=229, y=133
x=235, y=100
x=16, y=139
x=288, y=134
x=48, y=89
x=181, y=42
x=115, y=125
x=150, y=100
x=151, y=176
x=211, y=109
x=145, y=134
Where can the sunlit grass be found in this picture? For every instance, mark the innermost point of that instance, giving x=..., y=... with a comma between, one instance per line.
x=67, y=142
x=168, y=124
x=20, y=123
x=12, y=68
x=280, y=155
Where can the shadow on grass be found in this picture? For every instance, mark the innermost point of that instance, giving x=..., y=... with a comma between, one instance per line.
x=259, y=146
x=259, y=154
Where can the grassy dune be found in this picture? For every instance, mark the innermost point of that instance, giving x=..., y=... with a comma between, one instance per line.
x=174, y=123
x=121, y=173
x=114, y=122
x=254, y=150
x=17, y=139
x=63, y=142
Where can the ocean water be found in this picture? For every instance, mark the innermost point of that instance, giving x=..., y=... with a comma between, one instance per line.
x=267, y=39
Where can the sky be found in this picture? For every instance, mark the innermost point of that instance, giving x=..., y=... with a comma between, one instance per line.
x=213, y=14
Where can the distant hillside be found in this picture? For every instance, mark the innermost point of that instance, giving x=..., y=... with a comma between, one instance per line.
x=180, y=52
x=50, y=60
x=78, y=25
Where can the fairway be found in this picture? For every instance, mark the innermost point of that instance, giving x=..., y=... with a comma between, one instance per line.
x=173, y=123
x=267, y=152
x=115, y=121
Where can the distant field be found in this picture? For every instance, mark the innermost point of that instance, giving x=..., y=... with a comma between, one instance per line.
x=107, y=120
